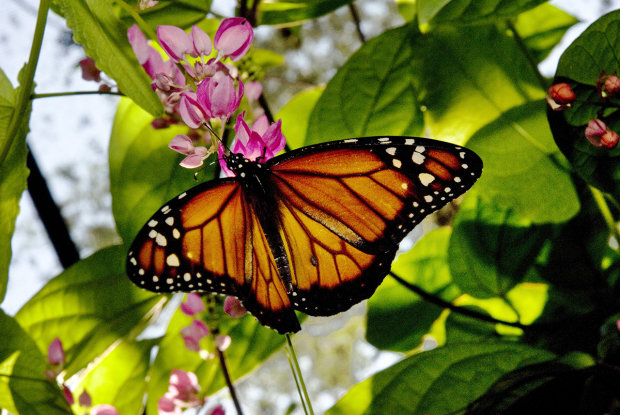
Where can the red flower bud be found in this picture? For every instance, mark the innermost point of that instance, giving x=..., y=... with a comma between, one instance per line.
x=612, y=85
x=561, y=93
x=610, y=139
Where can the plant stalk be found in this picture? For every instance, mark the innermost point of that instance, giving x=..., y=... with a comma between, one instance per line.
x=299, y=380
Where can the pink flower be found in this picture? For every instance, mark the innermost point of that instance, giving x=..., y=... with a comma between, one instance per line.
x=147, y=4
x=612, y=85
x=167, y=406
x=139, y=43
x=193, y=333
x=182, y=144
x=218, y=95
x=175, y=42
x=600, y=135
x=261, y=143
x=55, y=353
x=104, y=409
x=191, y=111
x=68, y=395
x=193, y=304
x=218, y=410
x=234, y=38
x=85, y=399
x=195, y=155
x=233, y=307
x=222, y=342
x=253, y=90
x=89, y=70
x=183, y=387
x=200, y=41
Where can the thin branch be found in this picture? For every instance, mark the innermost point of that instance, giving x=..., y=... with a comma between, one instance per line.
x=231, y=387
x=433, y=299
x=356, y=18
x=50, y=215
x=66, y=94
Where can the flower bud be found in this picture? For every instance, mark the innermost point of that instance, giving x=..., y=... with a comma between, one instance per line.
x=175, y=42
x=609, y=140
x=200, y=41
x=560, y=96
x=89, y=70
x=191, y=112
x=103, y=409
x=55, y=353
x=85, y=399
x=222, y=342
x=234, y=38
x=219, y=96
x=612, y=85
x=192, y=305
x=233, y=307
x=193, y=333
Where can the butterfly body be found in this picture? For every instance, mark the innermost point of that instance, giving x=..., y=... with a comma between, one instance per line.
x=314, y=230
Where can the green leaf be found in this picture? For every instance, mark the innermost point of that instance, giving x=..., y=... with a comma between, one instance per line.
x=398, y=318
x=492, y=249
x=295, y=11
x=438, y=381
x=180, y=13
x=251, y=345
x=523, y=170
x=13, y=175
x=104, y=37
x=372, y=94
x=119, y=378
x=595, y=50
x=88, y=306
x=542, y=28
x=144, y=172
x=24, y=388
x=296, y=114
x=435, y=12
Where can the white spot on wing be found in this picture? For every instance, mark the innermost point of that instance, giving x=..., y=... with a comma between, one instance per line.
x=182, y=195
x=176, y=234
x=391, y=150
x=173, y=260
x=161, y=240
x=397, y=163
x=417, y=158
x=152, y=223
x=409, y=141
x=384, y=139
x=428, y=198
x=170, y=220
x=426, y=178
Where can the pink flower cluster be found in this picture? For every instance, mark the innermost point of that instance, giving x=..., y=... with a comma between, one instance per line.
x=198, y=89
x=197, y=330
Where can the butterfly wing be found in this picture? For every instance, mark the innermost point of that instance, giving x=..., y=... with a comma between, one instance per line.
x=208, y=239
x=345, y=206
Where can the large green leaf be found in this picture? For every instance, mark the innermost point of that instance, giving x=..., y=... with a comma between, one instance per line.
x=436, y=12
x=595, y=50
x=523, y=169
x=13, y=174
x=251, y=345
x=88, y=306
x=295, y=116
x=119, y=377
x=372, y=94
x=397, y=317
x=24, y=388
x=144, y=172
x=542, y=28
x=440, y=381
x=295, y=11
x=491, y=249
x=104, y=37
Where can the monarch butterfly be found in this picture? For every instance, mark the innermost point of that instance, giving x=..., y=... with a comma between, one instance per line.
x=315, y=229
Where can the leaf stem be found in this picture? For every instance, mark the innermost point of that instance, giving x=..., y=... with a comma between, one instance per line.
x=231, y=387
x=601, y=203
x=433, y=299
x=528, y=54
x=299, y=380
x=27, y=79
x=68, y=94
x=138, y=19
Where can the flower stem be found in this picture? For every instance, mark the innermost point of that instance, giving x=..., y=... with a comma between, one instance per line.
x=299, y=380
x=138, y=19
x=27, y=82
x=231, y=387
x=68, y=94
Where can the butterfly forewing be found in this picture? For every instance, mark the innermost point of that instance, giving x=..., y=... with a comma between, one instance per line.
x=315, y=229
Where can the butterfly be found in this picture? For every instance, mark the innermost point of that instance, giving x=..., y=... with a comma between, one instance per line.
x=315, y=229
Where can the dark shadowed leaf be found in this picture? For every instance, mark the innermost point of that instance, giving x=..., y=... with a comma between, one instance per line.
x=397, y=317
x=181, y=13
x=438, y=381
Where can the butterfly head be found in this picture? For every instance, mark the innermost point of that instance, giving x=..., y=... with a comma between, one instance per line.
x=240, y=165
